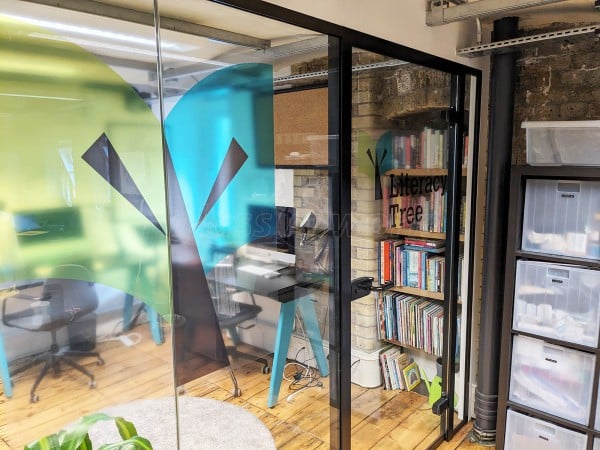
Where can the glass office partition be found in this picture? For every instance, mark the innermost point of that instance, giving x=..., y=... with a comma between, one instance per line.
x=412, y=182
x=83, y=248
x=180, y=214
x=245, y=105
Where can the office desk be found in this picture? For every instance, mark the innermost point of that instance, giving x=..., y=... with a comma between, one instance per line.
x=293, y=291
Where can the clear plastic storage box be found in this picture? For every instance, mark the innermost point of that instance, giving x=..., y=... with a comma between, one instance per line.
x=562, y=218
x=575, y=143
x=528, y=433
x=557, y=301
x=553, y=379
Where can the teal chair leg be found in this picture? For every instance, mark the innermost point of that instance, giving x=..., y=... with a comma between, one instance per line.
x=153, y=318
x=6, y=381
x=282, y=343
x=306, y=307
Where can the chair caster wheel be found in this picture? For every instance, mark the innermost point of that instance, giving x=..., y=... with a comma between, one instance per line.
x=34, y=398
x=92, y=384
x=266, y=370
x=100, y=362
x=237, y=392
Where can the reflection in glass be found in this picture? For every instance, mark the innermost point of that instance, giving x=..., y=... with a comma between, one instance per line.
x=81, y=192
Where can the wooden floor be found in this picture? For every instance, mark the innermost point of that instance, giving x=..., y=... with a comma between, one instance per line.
x=380, y=419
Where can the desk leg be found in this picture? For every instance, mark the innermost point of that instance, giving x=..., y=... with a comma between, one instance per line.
x=282, y=343
x=306, y=306
x=157, y=333
x=127, y=312
x=6, y=382
x=153, y=318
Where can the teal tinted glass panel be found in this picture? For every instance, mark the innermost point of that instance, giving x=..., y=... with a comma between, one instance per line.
x=220, y=137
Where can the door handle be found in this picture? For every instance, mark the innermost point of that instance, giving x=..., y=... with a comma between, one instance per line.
x=361, y=287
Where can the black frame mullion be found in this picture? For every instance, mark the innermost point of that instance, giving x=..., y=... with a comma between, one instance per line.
x=340, y=83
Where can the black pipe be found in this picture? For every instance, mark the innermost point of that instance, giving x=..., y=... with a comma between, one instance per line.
x=502, y=83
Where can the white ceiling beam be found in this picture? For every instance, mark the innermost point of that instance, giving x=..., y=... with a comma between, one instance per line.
x=147, y=18
x=439, y=15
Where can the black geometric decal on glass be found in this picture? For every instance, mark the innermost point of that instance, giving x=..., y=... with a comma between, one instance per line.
x=198, y=344
x=103, y=158
x=234, y=160
x=377, y=165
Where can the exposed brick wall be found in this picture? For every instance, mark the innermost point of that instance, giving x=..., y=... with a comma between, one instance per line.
x=557, y=79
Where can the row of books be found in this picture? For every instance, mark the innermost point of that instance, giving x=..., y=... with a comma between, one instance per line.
x=397, y=370
x=425, y=149
x=428, y=148
x=411, y=321
x=412, y=262
x=427, y=212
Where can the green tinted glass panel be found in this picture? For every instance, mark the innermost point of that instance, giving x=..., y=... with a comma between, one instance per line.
x=56, y=101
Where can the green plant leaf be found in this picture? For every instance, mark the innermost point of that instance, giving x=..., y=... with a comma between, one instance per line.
x=86, y=444
x=134, y=443
x=77, y=438
x=46, y=443
x=126, y=429
x=73, y=438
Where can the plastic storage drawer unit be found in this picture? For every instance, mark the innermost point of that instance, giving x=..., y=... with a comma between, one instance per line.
x=562, y=218
x=575, y=143
x=557, y=301
x=551, y=378
x=527, y=433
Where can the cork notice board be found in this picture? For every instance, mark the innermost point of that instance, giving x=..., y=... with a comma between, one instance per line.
x=300, y=126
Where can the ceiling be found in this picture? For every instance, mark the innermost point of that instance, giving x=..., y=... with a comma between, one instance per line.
x=186, y=55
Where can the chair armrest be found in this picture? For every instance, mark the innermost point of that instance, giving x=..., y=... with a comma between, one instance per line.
x=15, y=292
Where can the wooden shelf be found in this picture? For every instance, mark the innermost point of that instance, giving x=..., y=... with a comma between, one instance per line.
x=418, y=292
x=399, y=344
x=418, y=233
x=414, y=233
x=422, y=172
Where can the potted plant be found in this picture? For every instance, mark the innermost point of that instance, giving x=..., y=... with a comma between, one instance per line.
x=77, y=437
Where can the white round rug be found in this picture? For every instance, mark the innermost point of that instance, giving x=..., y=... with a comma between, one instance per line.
x=203, y=424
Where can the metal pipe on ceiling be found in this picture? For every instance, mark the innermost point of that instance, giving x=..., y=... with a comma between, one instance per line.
x=440, y=15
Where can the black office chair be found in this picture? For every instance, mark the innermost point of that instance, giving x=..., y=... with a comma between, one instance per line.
x=61, y=302
x=233, y=314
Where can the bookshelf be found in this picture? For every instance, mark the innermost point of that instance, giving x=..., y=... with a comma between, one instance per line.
x=412, y=249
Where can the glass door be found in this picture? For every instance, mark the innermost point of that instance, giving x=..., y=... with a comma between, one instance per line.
x=245, y=107
x=410, y=182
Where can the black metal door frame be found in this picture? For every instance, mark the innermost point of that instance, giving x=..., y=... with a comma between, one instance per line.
x=341, y=42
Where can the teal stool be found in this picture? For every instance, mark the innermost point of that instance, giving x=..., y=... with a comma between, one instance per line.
x=306, y=308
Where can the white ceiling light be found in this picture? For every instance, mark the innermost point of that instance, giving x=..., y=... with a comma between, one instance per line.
x=41, y=97
x=86, y=31
x=127, y=49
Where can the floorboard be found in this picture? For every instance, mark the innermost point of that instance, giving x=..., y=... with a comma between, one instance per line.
x=380, y=419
